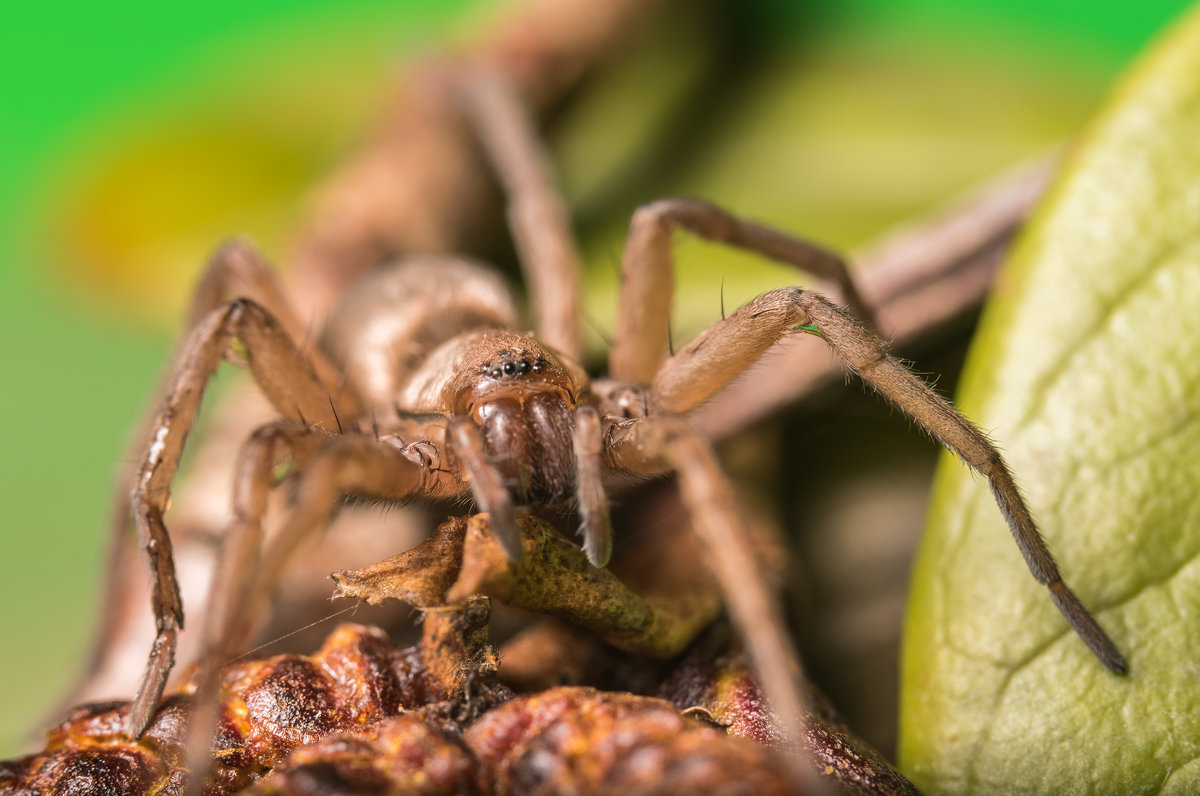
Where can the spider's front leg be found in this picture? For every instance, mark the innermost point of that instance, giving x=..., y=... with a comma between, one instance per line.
x=868, y=357
x=675, y=385
x=241, y=329
x=679, y=383
x=780, y=312
x=640, y=341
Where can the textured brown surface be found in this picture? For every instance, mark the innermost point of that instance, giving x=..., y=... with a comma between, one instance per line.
x=401, y=755
x=713, y=682
x=363, y=717
x=272, y=707
x=88, y=753
x=579, y=740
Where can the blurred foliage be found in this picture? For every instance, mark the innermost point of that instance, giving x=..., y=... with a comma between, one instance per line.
x=136, y=138
x=1086, y=365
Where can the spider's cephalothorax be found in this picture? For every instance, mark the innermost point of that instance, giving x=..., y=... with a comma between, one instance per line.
x=520, y=395
x=418, y=363
x=523, y=400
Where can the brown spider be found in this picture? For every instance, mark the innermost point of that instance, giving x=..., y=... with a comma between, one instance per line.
x=423, y=390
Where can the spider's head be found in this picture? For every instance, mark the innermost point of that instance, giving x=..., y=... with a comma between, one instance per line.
x=523, y=398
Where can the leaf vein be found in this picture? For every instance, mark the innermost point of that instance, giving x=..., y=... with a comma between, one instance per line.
x=1125, y=293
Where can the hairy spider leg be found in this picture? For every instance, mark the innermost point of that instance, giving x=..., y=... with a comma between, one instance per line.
x=640, y=341
x=780, y=312
x=667, y=442
x=537, y=215
x=867, y=356
x=678, y=383
x=239, y=329
x=235, y=269
x=682, y=381
x=326, y=467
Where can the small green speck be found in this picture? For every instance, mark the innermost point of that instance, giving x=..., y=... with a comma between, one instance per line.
x=239, y=349
x=283, y=470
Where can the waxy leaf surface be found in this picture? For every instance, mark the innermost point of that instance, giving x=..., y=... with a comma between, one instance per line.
x=1086, y=372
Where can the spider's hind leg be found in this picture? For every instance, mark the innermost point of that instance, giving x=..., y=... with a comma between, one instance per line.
x=537, y=214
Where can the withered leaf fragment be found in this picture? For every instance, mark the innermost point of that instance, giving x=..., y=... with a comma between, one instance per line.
x=420, y=576
x=554, y=578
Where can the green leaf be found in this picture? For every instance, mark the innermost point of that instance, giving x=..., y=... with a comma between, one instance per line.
x=1086, y=372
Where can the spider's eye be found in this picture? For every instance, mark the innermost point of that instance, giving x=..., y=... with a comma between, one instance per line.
x=509, y=368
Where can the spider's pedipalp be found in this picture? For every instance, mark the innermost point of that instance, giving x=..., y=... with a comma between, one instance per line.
x=593, y=503
x=486, y=486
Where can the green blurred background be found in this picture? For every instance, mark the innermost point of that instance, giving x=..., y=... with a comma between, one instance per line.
x=136, y=136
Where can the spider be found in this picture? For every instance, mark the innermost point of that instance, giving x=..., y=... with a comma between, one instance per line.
x=423, y=389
